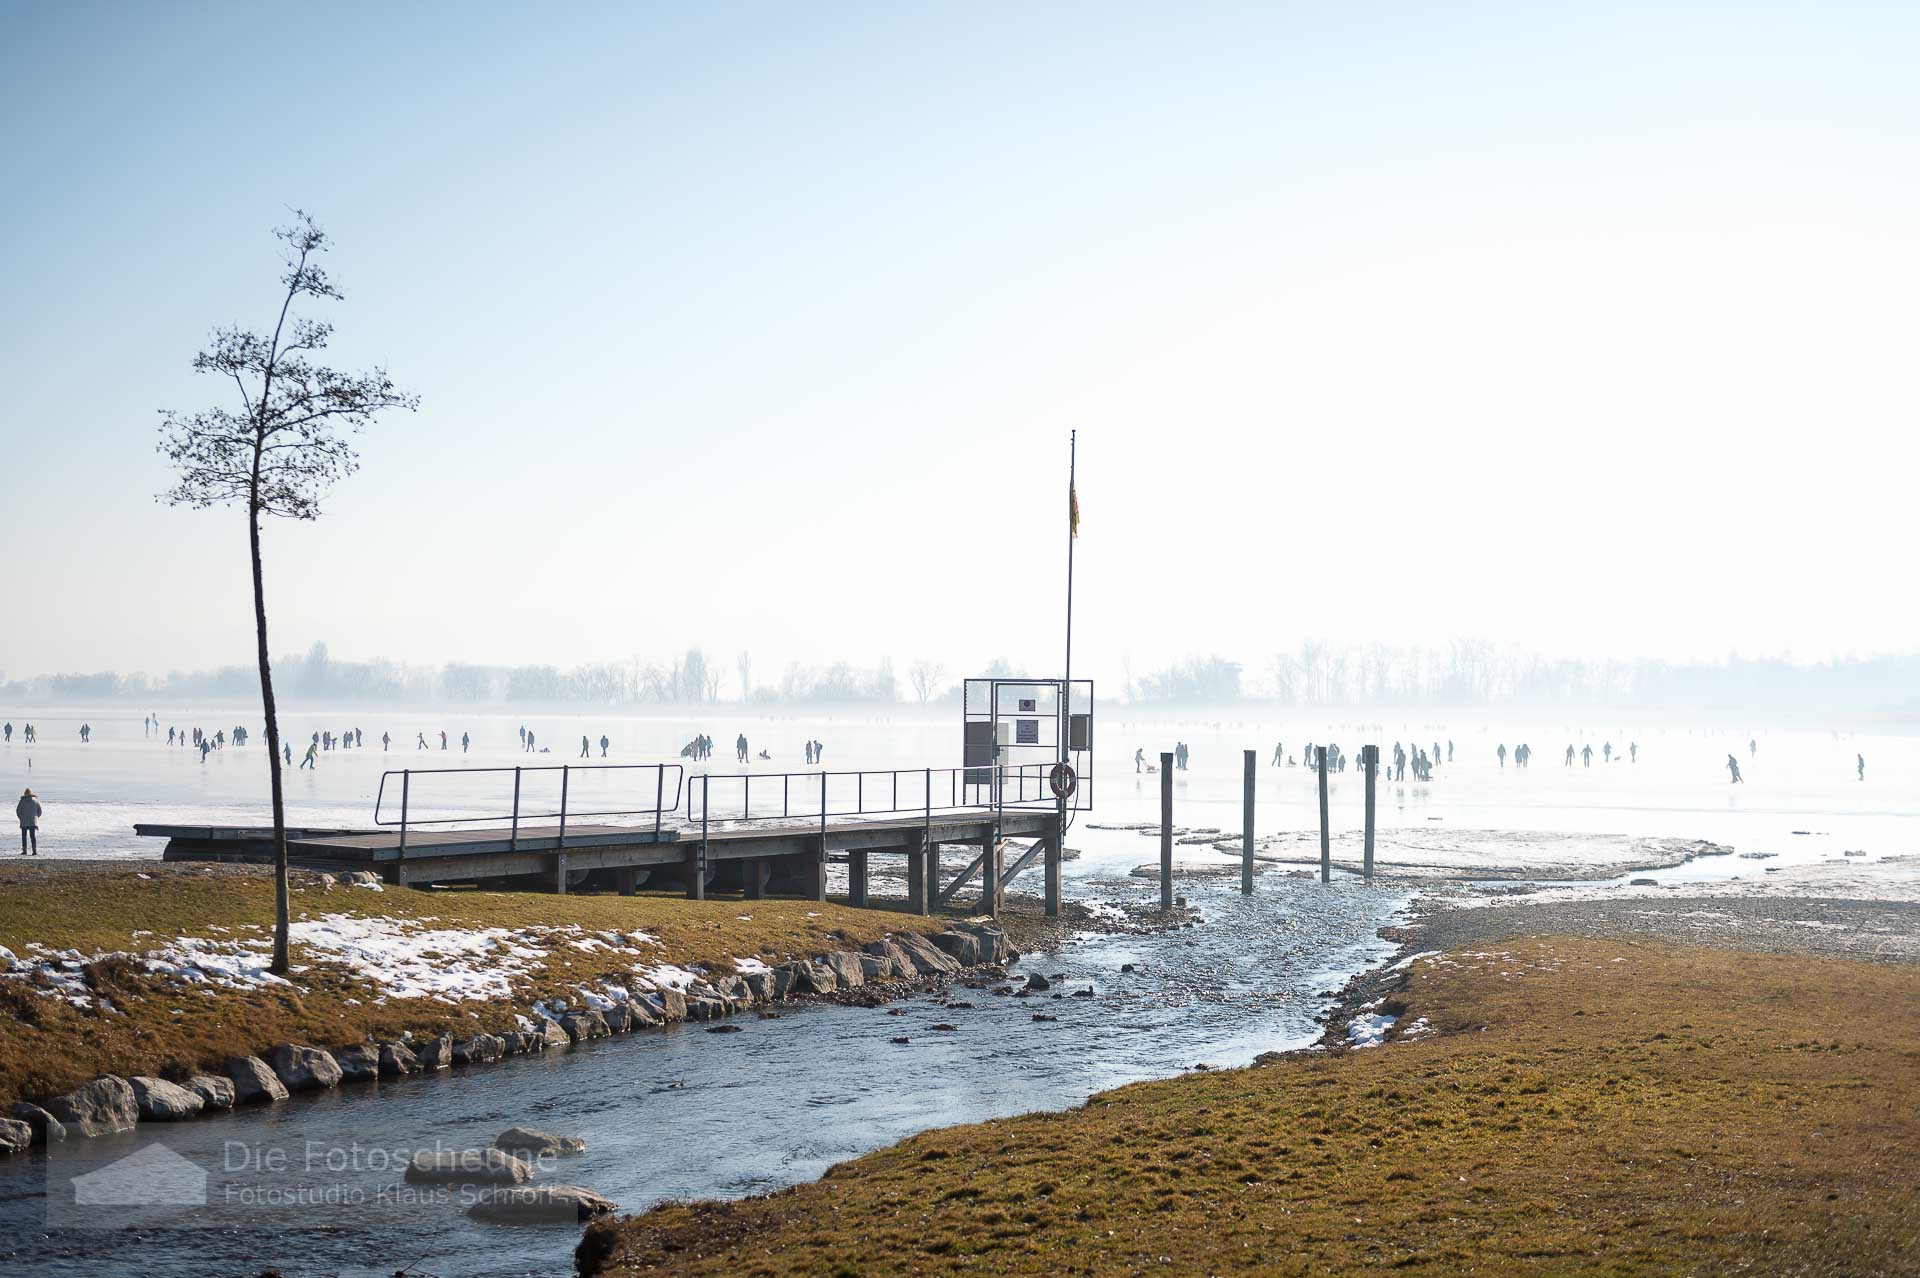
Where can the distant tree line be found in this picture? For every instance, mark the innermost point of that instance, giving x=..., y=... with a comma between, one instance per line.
x=1318, y=674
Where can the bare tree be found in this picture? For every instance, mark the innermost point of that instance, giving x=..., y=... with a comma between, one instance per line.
x=926, y=676
x=277, y=454
x=745, y=663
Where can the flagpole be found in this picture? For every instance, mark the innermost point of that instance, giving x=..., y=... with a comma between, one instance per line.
x=1072, y=536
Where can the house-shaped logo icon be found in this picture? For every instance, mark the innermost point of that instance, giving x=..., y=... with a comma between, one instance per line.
x=153, y=1176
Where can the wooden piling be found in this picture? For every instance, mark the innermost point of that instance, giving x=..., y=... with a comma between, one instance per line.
x=1166, y=831
x=917, y=897
x=857, y=878
x=696, y=875
x=1370, y=760
x=1326, y=842
x=1246, y=825
x=990, y=876
x=629, y=880
x=1054, y=854
x=560, y=873
x=754, y=873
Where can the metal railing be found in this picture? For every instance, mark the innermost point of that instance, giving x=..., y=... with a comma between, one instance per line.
x=517, y=812
x=731, y=796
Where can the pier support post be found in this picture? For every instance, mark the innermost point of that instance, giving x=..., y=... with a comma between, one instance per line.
x=628, y=879
x=1326, y=845
x=990, y=876
x=917, y=896
x=1370, y=760
x=817, y=884
x=560, y=872
x=1054, y=854
x=1246, y=825
x=755, y=872
x=1166, y=831
x=857, y=878
x=933, y=876
x=696, y=875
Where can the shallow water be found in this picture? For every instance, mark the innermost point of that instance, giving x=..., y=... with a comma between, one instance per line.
x=682, y=1112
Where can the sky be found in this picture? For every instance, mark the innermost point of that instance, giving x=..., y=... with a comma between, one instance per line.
x=1582, y=328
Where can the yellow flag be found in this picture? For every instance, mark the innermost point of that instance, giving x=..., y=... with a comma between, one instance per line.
x=1073, y=511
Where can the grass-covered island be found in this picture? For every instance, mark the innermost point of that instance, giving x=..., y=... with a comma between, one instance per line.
x=1544, y=1104
x=144, y=970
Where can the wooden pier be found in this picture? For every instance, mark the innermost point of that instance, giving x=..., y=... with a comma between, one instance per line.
x=754, y=856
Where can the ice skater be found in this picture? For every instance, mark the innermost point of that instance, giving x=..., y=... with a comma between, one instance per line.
x=419, y=740
x=1733, y=769
x=312, y=759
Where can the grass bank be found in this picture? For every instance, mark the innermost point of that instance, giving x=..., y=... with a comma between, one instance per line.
x=1572, y=1105
x=159, y=969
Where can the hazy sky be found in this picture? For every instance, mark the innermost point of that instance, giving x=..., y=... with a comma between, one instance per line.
x=764, y=326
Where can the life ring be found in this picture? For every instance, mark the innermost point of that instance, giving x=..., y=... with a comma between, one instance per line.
x=1061, y=780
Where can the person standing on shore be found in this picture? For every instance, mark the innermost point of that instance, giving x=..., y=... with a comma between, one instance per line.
x=28, y=810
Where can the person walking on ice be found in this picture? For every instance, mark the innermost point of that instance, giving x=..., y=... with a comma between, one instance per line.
x=586, y=750
x=1139, y=759
x=1502, y=752
x=28, y=810
x=419, y=740
x=1733, y=768
x=604, y=743
x=466, y=740
x=740, y=748
x=1860, y=761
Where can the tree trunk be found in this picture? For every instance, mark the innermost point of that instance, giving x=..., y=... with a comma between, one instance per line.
x=281, y=921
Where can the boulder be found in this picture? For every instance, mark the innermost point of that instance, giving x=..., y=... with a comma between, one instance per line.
x=481, y=1049
x=214, y=1093
x=1035, y=981
x=254, y=1080
x=875, y=968
x=619, y=1020
x=847, y=972
x=15, y=1136
x=359, y=1062
x=105, y=1105
x=467, y=1167
x=531, y=1142
x=927, y=958
x=582, y=1025
x=164, y=1102
x=550, y=1034
x=705, y=1008
x=779, y=984
x=734, y=989
x=437, y=1053
x=963, y=947
x=896, y=958
x=640, y=1013
x=760, y=986
x=397, y=1059
x=813, y=978
x=303, y=1068
x=45, y=1127
x=540, y=1204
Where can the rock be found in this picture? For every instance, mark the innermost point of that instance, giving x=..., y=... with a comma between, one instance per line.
x=584, y=1024
x=303, y=1068
x=944, y=1026
x=45, y=1127
x=900, y=1039
x=1038, y=982
x=105, y=1105
x=550, y=1034
x=540, y=1204
x=619, y=1020
x=874, y=968
x=641, y=1013
x=734, y=989
x=164, y=1102
x=723, y=1029
x=1086, y=993
x=926, y=957
x=397, y=1059
x=1042, y=1016
x=1643, y=882
x=531, y=1142
x=15, y=1136
x=759, y=986
x=847, y=972
x=254, y=1080
x=780, y=981
x=1126, y=967
x=814, y=978
x=481, y=1049
x=359, y=1062
x=214, y=1093
x=963, y=947
x=467, y=1167
x=436, y=1054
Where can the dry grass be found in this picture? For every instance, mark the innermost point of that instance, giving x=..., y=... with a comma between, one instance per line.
x=48, y=1046
x=1587, y=1107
